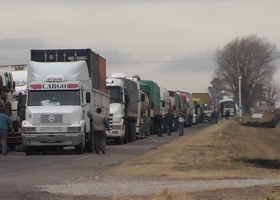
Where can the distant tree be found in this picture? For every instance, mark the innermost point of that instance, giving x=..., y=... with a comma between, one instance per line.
x=216, y=91
x=271, y=93
x=251, y=58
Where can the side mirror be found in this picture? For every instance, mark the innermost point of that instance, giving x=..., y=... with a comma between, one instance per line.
x=88, y=97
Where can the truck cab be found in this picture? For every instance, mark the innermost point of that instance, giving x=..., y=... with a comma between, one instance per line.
x=58, y=98
x=123, y=94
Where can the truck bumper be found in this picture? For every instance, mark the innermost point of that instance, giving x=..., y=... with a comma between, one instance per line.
x=58, y=139
x=115, y=133
x=14, y=138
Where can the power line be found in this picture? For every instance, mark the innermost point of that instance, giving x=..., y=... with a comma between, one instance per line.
x=135, y=62
x=167, y=61
x=13, y=59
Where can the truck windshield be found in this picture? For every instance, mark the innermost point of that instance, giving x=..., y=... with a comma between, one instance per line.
x=53, y=98
x=115, y=94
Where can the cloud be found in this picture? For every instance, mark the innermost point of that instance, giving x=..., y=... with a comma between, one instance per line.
x=17, y=51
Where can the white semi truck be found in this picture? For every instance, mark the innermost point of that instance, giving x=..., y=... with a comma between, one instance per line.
x=123, y=108
x=59, y=96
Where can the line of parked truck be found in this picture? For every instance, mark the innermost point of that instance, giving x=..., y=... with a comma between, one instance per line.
x=50, y=99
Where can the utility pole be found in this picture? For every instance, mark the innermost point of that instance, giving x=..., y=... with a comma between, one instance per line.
x=239, y=81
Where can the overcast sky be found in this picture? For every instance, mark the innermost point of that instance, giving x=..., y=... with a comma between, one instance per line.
x=172, y=42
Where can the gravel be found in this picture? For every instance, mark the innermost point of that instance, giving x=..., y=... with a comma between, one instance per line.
x=108, y=186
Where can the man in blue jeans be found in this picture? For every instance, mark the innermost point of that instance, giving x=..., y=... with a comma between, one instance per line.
x=169, y=119
x=181, y=121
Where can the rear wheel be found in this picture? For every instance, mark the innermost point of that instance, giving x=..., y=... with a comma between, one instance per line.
x=11, y=147
x=29, y=150
x=90, y=143
x=119, y=141
x=131, y=132
x=79, y=148
x=126, y=129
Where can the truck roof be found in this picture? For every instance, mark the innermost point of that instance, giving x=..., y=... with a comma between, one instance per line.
x=70, y=70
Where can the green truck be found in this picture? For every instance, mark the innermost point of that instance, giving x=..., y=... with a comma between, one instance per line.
x=152, y=90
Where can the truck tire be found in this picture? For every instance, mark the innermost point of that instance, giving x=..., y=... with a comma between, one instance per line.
x=133, y=132
x=16, y=125
x=11, y=147
x=125, y=138
x=130, y=132
x=90, y=143
x=119, y=141
x=79, y=149
x=29, y=150
x=8, y=108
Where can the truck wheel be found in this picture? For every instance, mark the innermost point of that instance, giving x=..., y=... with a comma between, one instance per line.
x=90, y=143
x=119, y=141
x=11, y=147
x=8, y=108
x=130, y=132
x=133, y=132
x=29, y=151
x=79, y=148
x=125, y=138
x=16, y=125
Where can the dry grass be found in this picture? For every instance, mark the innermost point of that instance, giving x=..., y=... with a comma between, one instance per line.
x=221, y=151
x=226, y=150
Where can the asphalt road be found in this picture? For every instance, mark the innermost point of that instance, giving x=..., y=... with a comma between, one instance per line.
x=20, y=174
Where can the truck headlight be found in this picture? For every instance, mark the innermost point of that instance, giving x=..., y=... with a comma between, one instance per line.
x=116, y=126
x=29, y=129
x=74, y=129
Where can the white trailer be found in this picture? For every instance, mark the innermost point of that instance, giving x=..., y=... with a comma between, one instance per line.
x=59, y=96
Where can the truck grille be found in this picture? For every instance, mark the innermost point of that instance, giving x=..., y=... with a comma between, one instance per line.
x=110, y=120
x=51, y=118
x=46, y=129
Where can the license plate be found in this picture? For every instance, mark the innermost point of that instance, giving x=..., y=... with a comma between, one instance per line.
x=51, y=139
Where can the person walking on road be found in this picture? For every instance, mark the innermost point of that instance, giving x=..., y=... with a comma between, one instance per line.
x=100, y=124
x=5, y=125
x=213, y=117
x=181, y=121
x=158, y=120
x=227, y=114
x=169, y=118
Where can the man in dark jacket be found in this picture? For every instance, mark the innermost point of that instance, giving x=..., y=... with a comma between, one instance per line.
x=100, y=124
x=158, y=120
x=169, y=118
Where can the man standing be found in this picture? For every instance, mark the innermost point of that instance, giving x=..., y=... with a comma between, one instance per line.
x=5, y=124
x=100, y=124
x=169, y=118
x=158, y=119
x=181, y=121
